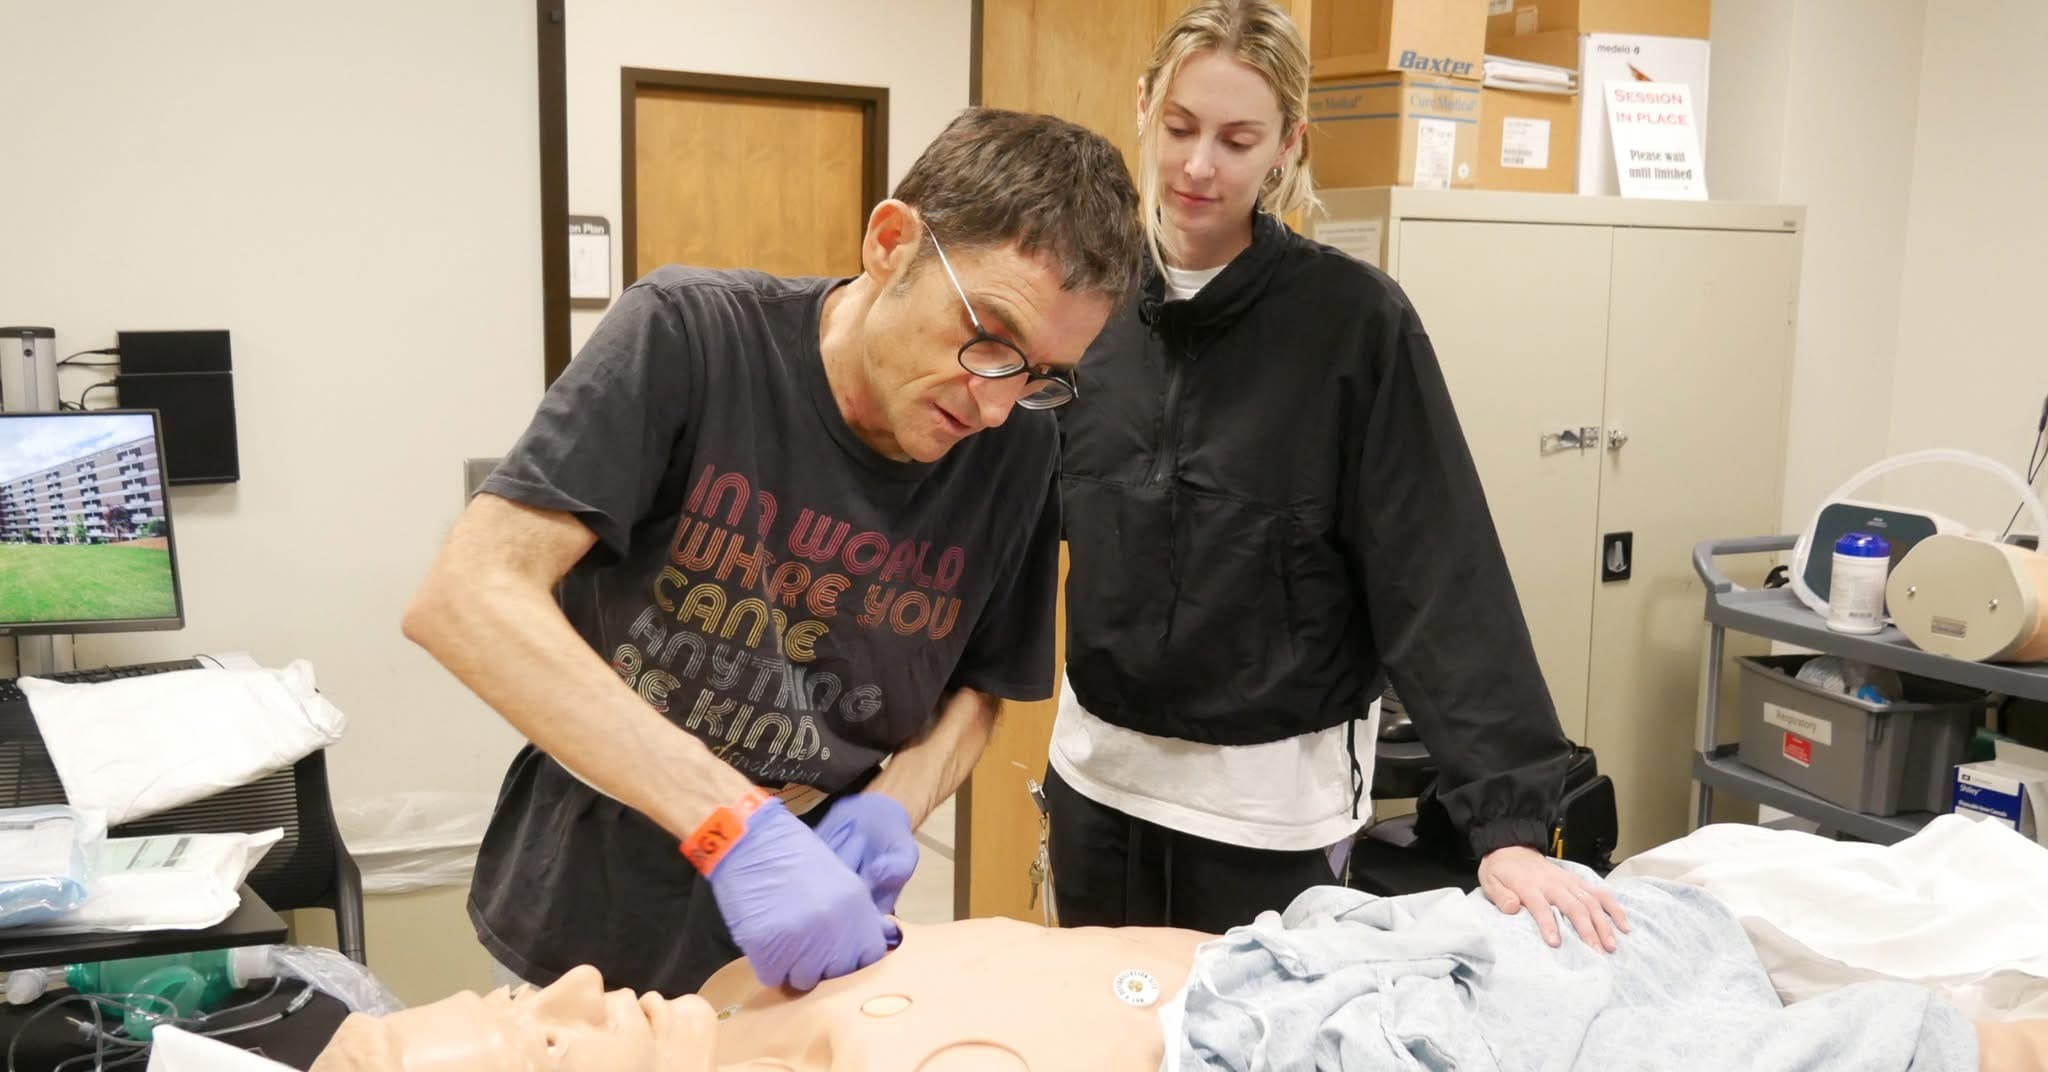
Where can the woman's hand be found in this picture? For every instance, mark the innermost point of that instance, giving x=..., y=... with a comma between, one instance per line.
x=1519, y=876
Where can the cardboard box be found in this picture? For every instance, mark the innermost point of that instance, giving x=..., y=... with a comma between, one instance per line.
x=1657, y=18
x=1510, y=18
x=1560, y=49
x=1394, y=130
x=1441, y=38
x=1528, y=141
x=2001, y=791
x=1601, y=58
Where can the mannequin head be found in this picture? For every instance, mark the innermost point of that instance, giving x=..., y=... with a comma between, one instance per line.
x=572, y=1025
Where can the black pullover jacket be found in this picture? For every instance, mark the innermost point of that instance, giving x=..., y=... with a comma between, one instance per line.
x=1269, y=507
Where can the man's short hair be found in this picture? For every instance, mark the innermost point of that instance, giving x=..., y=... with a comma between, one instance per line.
x=996, y=178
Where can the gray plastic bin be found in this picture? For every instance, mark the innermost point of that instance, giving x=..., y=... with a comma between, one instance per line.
x=1881, y=760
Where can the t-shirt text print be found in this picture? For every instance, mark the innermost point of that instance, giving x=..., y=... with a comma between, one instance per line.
x=728, y=644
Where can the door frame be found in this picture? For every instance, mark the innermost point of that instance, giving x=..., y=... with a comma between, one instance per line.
x=963, y=797
x=873, y=102
x=551, y=79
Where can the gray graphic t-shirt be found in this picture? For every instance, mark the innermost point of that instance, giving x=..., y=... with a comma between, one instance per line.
x=793, y=599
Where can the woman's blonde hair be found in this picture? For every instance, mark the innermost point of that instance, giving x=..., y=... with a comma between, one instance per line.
x=1258, y=34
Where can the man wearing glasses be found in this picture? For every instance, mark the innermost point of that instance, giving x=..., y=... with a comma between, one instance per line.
x=763, y=535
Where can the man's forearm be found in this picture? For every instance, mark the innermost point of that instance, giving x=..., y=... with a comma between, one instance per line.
x=925, y=773
x=509, y=642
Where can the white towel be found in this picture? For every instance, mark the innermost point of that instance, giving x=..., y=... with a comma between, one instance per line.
x=138, y=746
x=180, y=1051
x=1499, y=72
x=1956, y=908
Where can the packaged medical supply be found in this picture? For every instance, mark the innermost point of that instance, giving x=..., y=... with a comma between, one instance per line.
x=46, y=855
x=165, y=882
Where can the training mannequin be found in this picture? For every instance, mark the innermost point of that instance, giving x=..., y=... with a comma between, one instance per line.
x=973, y=996
x=985, y=995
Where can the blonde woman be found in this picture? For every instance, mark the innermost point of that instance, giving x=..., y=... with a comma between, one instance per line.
x=1270, y=509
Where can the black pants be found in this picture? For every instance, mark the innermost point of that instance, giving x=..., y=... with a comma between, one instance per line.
x=1110, y=869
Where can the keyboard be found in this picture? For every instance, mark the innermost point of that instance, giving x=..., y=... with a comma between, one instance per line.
x=11, y=692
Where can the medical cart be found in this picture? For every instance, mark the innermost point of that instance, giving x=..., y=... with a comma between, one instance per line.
x=1777, y=614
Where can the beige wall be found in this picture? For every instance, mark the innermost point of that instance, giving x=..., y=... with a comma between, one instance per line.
x=352, y=190
x=1815, y=103
x=1913, y=136
x=917, y=49
x=1972, y=363
x=1750, y=67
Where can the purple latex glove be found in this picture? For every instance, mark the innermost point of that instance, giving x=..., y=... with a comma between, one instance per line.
x=871, y=834
x=798, y=914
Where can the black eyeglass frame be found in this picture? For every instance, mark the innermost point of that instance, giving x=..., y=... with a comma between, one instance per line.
x=1054, y=381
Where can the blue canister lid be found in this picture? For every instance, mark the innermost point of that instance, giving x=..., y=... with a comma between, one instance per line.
x=1862, y=545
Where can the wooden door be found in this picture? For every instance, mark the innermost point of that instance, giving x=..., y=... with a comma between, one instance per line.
x=1699, y=354
x=746, y=173
x=1079, y=60
x=1518, y=315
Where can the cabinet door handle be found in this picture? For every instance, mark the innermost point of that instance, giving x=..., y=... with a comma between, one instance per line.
x=1584, y=437
x=1616, y=439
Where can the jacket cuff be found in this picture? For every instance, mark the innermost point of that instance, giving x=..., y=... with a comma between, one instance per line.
x=1503, y=833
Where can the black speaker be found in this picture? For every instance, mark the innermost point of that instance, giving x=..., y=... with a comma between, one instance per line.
x=187, y=377
x=174, y=351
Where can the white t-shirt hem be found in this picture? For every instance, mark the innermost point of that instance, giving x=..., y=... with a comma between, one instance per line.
x=1292, y=838
x=1212, y=791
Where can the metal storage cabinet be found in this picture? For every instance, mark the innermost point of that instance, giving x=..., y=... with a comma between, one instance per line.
x=1619, y=367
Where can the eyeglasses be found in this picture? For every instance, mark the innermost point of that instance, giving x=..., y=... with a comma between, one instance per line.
x=993, y=357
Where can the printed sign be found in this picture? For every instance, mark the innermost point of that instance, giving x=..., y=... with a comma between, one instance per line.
x=1656, y=141
x=1525, y=143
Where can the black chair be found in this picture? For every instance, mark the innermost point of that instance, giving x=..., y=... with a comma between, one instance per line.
x=308, y=868
x=1424, y=851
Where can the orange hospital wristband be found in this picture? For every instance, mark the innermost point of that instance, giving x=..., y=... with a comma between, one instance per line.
x=714, y=837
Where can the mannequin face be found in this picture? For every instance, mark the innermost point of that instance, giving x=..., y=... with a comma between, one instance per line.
x=572, y=1025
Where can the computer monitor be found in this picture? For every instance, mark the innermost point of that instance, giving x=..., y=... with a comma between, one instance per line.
x=85, y=526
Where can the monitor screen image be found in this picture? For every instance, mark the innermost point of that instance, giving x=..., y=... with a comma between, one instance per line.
x=85, y=527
